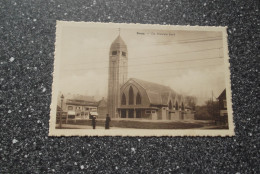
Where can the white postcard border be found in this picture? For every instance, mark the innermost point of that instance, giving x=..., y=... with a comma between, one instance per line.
x=138, y=132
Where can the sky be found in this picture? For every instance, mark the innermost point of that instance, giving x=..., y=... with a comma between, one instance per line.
x=190, y=62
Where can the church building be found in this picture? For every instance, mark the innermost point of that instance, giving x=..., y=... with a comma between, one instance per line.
x=139, y=99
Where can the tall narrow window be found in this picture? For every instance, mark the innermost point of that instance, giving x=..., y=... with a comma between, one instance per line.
x=123, y=53
x=131, y=96
x=182, y=106
x=176, y=105
x=170, y=105
x=138, y=99
x=123, y=100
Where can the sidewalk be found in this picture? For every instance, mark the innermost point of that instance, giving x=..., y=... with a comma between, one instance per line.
x=73, y=126
x=140, y=124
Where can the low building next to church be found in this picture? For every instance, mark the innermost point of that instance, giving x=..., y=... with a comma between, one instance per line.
x=223, y=104
x=80, y=109
x=223, y=112
x=102, y=108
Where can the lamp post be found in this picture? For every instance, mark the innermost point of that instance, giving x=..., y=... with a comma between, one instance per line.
x=61, y=98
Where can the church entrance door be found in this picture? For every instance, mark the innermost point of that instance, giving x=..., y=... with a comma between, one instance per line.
x=123, y=113
x=131, y=113
x=138, y=113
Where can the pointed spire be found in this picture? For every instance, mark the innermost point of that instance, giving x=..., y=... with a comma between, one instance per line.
x=118, y=43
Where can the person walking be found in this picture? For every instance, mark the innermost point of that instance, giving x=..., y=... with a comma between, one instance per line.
x=94, y=121
x=107, y=122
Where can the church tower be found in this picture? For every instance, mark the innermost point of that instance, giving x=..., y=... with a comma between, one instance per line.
x=117, y=74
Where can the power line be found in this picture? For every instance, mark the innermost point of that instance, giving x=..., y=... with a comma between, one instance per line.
x=180, y=53
x=178, y=61
x=148, y=57
x=201, y=40
x=156, y=70
x=154, y=63
x=166, y=75
x=191, y=40
x=172, y=43
x=176, y=68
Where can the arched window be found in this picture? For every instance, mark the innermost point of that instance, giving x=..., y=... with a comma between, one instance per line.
x=114, y=53
x=176, y=105
x=138, y=99
x=170, y=105
x=131, y=96
x=123, y=100
x=182, y=106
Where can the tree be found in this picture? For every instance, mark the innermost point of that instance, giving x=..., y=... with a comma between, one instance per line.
x=202, y=113
x=191, y=101
x=209, y=111
x=212, y=108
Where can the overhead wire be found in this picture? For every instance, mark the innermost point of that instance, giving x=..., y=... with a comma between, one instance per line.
x=169, y=43
x=150, y=63
x=148, y=57
x=167, y=75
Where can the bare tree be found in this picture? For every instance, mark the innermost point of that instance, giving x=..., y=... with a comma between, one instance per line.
x=191, y=101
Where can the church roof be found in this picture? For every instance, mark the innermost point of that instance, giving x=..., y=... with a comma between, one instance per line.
x=158, y=94
x=81, y=102
x=179, y=97
x=102, y=103
x=118, y=43
x=152, y=86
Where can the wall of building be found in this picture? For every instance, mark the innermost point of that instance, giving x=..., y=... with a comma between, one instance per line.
x=164, y=114
x=102, y=112
x=117, y=75
x=174, y=115
x=81, y=111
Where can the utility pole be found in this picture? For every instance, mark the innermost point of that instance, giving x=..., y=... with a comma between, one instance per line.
x=212, y=103
x=62, y=97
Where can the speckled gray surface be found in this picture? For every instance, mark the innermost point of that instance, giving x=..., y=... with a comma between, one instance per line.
x=27, y=36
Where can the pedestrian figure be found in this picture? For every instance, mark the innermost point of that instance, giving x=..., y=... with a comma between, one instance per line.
x=107, y=122
x=94, y=121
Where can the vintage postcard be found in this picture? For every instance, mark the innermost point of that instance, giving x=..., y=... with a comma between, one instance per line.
x=140, y=80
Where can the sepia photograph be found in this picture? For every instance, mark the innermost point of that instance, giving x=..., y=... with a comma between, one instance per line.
x=140, y=80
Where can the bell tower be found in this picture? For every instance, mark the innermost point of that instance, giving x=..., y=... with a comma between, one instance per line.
x=117, y=74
